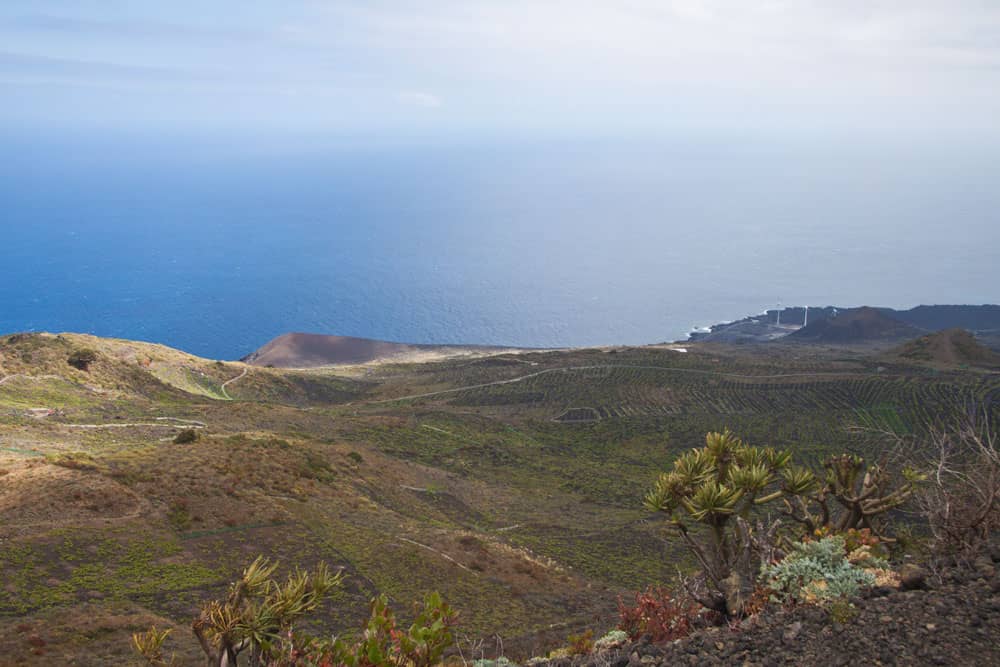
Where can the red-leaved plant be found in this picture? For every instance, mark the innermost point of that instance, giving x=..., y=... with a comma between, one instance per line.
x=659, y=614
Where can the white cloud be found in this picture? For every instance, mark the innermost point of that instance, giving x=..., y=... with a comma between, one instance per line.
x=419, y=99
x=591, y=62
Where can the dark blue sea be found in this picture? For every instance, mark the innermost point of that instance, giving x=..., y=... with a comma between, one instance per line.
x=217, y=246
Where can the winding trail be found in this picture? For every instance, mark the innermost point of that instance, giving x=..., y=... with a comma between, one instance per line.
x=134, y=425
x=564, y=369
x=35, y=378
x=225, y=384
x=439, y=553
x=191, y=422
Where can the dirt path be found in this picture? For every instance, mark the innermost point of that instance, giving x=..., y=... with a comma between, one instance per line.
x=191, y=422
x=183, y=424
x=439, y=553
x=35, y=378
x=691, y=371
x=225, y=384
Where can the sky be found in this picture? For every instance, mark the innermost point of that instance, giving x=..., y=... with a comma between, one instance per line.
x=500, y=66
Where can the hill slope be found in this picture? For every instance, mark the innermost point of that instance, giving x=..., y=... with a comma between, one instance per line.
x=470, y=476
x=983, y=320
x=952, y=347
x=956, y=622
x=304, y=350
x=941, y=317
x=857, y=325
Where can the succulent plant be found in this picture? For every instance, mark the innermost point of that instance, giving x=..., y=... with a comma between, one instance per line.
x=722, y=485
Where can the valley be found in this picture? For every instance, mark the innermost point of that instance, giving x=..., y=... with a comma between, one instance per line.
x=512, y=483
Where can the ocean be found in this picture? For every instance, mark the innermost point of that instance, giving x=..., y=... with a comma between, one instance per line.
x=215, y=248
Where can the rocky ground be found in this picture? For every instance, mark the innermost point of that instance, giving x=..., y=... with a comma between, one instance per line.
x=953, y=619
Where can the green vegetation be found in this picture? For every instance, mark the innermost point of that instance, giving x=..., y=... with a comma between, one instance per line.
x=719, y=486
x=259, y=615
x=520, y=519
x=383, y=643
x=722, y=485
x=186, y=436
x=820, y=570
x=149, y=645
x=82, y=359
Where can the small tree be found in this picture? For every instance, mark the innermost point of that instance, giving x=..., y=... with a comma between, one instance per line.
x=718, y=486
x=722, y=485
x=851, y=496
x=258, y=612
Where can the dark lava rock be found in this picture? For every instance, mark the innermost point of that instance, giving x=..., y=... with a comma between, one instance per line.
x=955, y=623
x=912, y=577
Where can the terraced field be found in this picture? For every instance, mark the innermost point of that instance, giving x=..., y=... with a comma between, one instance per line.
x=621, y=391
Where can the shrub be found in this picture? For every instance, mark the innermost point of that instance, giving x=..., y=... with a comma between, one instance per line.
x=258, y=613
x=855, y=539
x=179, y=515
x=502, y=661
x=582, y=643
x=961, y=502
x=612, y=638
x=722, y=485
x=841, y=611
x=186, y=436
x=383, y=643
x=73, y=460
x=82, y=359
x=818, y=571
x=657, y=613
x=149, y=645
x=355, y=457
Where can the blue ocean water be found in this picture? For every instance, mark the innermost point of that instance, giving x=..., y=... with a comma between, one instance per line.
x=217, y=249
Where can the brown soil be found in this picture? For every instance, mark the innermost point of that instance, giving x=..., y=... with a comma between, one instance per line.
x=303, y=350
x=36, y=493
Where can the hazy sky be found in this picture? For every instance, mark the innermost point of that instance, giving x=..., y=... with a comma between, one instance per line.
x=501, y=65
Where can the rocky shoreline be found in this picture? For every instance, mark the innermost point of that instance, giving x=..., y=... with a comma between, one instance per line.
x=774, y=324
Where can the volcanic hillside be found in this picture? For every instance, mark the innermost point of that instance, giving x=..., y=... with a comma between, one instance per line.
x=304, y=350
x=954, y=347
x=858, y=325
x=941, y=317
x=138, y=481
